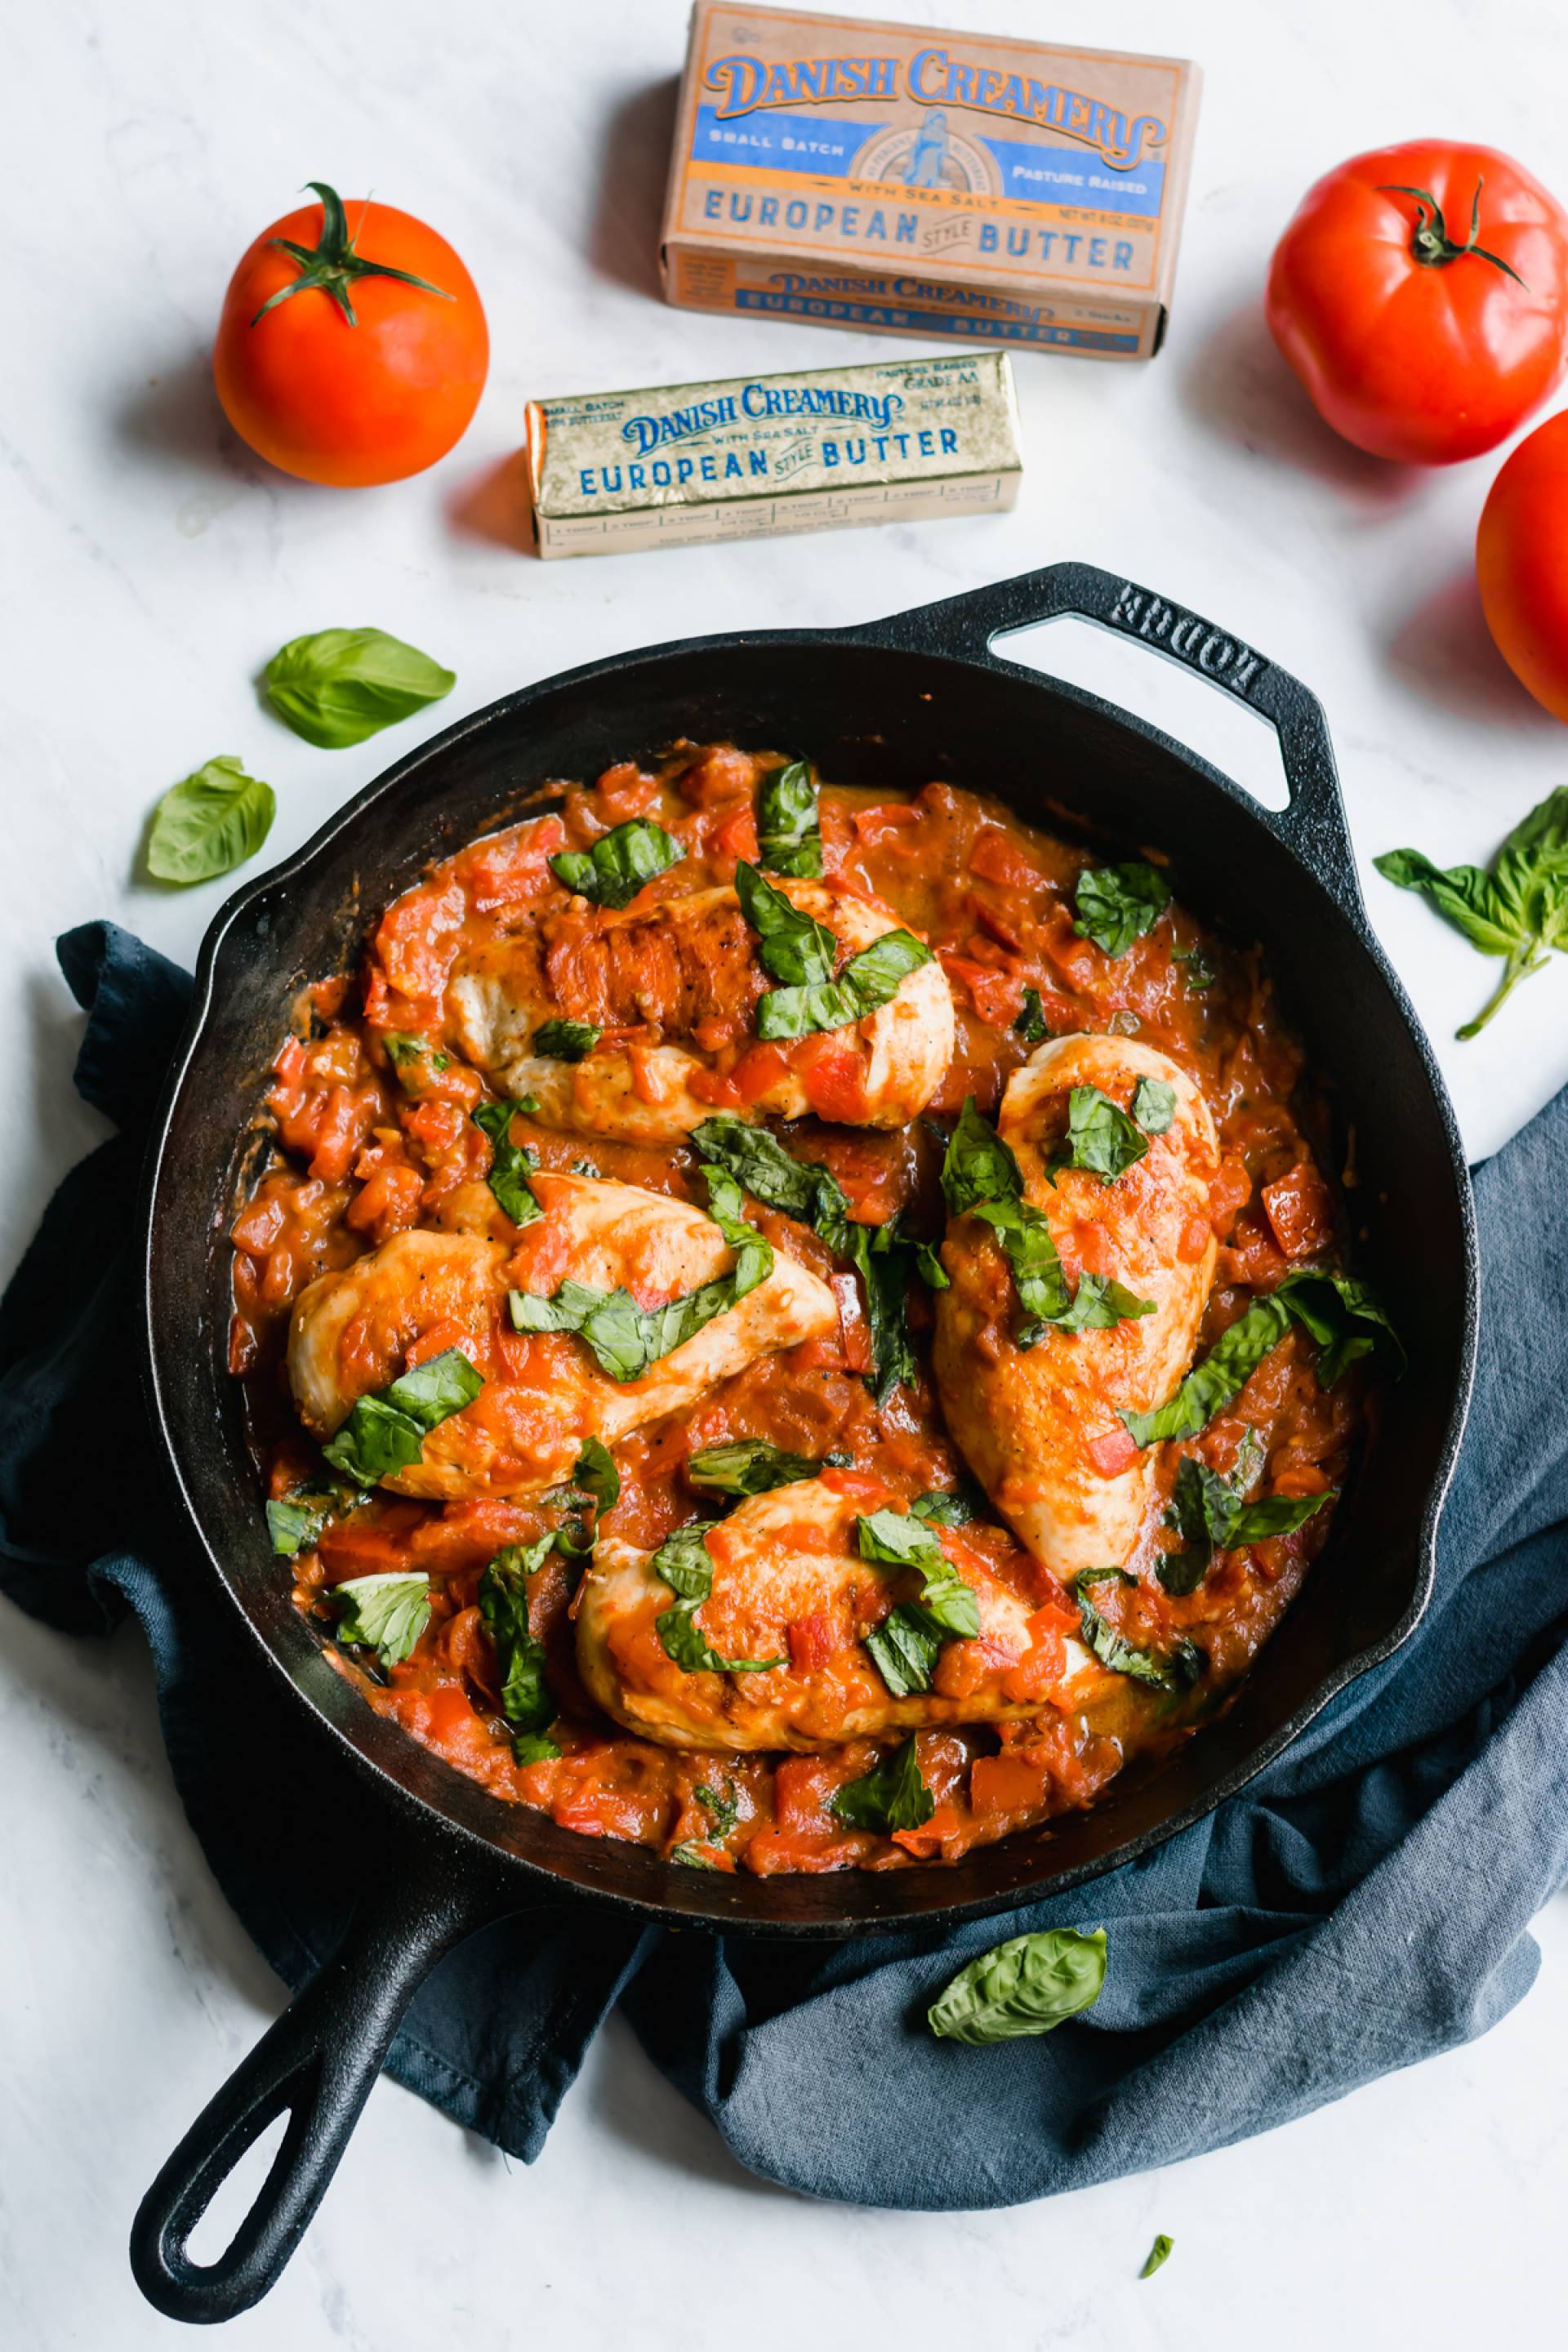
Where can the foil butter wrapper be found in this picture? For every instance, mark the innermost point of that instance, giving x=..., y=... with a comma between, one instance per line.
x=750, y=456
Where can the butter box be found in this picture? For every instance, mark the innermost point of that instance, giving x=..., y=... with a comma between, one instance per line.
x=889, y=177
x=753, y=455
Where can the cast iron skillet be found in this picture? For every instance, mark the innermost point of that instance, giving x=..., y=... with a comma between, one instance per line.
x=894, y=703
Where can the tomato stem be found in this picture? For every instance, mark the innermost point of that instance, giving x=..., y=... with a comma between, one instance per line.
x=331, y=266
x=1430, y=243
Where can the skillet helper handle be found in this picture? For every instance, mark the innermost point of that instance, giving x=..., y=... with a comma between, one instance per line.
x=318, y=2063
x=1313, y=826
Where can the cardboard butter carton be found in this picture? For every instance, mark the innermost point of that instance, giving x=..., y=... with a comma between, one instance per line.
x=892, y=178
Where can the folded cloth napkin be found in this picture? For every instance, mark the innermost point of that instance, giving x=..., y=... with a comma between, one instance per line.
x=1366, y=1901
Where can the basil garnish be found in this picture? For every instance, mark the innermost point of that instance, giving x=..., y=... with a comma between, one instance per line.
x=340, y=686
x=1518, y=910
x=814, y=1196
x=725, y=1812
x=747, y=1465
x=943, y=1510
x=411, y=1057
x=907, y=1644
x=1030, y=1984
x=613, y=872
x=1200, y=971
x=387, y=1432
x=511, y=1164
x=1157, y=2254
x=797, y=950
x=682, y=1563
x=1100, y=1138
x=1342, y=1314
x=388, y=1612
x=526, y=1699
x=1031, y=1022
x=1117, y=904
x=1210, y=1513
x=981, y=1176
x=209, y=823
x=625, y=1339
x=1154, y=1105
x=295, y=1521
x=891, y=1796
x=789, y=840
x=1175, y=1670
x=566, y=1041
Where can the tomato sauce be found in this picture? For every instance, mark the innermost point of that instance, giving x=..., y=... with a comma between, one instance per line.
x=364, y=1149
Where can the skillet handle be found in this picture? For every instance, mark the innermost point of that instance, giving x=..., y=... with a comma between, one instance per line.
x=318, y=2062
x=1313, y=826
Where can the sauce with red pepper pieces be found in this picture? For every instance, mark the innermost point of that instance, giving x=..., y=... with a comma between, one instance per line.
x=365, y=1150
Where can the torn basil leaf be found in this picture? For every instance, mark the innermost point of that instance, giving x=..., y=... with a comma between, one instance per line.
x=1211, y=1514
x=526, y=1699
x=1200, y=971
x=1158, y=2253
x=792, y=947
x=723, y=1811
x=683, y=1563
x=1176, y=1669
x=624, y=1338
x=891, y=1796
x=1031, y=1022
x=1346, y=1319
x=907, y=1644
x=747, y=1465
x=594, y=1478
x=1117, y=904
x=411, y=1057
x=867, y=981
x=387, y=1613
x=1154, y=1105
x=945, y=1510
x=1101, y=1139
x=1222, y=1374
x=294, y=1522
x=613, y=872
x=1030, y=1984
x=977, y=1165
x=511, y=1164
x=385, y=1433
x=534, y=1748
x=566, y=1041
x=789, y=837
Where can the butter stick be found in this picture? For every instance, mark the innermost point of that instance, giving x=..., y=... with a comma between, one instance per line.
x=752, y=457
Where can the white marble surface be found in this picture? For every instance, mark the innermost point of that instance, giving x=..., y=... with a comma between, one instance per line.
x=149, y=568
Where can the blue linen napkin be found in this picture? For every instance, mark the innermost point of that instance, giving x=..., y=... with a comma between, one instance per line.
x=1364, y=1902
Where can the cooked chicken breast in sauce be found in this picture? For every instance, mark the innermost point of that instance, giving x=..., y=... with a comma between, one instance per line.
x=1039, y=1426
x=789, y=1583
x=355, y=1331
x=671, y=988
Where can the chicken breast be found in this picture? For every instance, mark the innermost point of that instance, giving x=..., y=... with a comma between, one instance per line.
x=673, y=990
x=1039, y=1426
x=420, y=1293
x=789, y=1584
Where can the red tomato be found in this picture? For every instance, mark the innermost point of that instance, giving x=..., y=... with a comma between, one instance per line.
x=351, y=354
x=1421, y=294
x=1522, y=557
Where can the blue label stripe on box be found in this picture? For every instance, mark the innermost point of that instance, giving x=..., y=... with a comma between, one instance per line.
x=936, y=322
x=1034, y=175
x=782, y=142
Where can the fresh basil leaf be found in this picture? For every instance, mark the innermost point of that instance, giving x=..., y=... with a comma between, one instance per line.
x=1200, y=971
x=526, y=1699
x=682, y=1563
x=1031, y=1022
x=907, y=1644
x=1175, y=1670
x=534, y=1748
x=1099, y=1303
x=929, y=1268
x=891, y=1796
x=802, y=1189
x=977, y=1165
x=1037, y=1275
x=595, y=1477
x=511, y=1164
x=388, y=1612
x=209, y=823
x=385, y=1433
x=340, y=686
x=867, y=981
x=613, y=872
x=565, y=1041
x=691, y=1857
x=1518, y=910
x=1154, y=1105
x=747, y=1465
x=1211, y=1514
x=295, y=1521
x=793, y=947
x=883, y=1264
x=724, y=1811
x=1030, y=1984
x=1346, y=1319
x=1101, y=1139
x=904, y=1649
x=898, y=1540
x=753, y=1256
x=1117, y=904
x=586, y=1168
x=944, y=1511
x=789, y=838
x=1223, y=1373
x=1158, y=2252
x=412, y=1057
